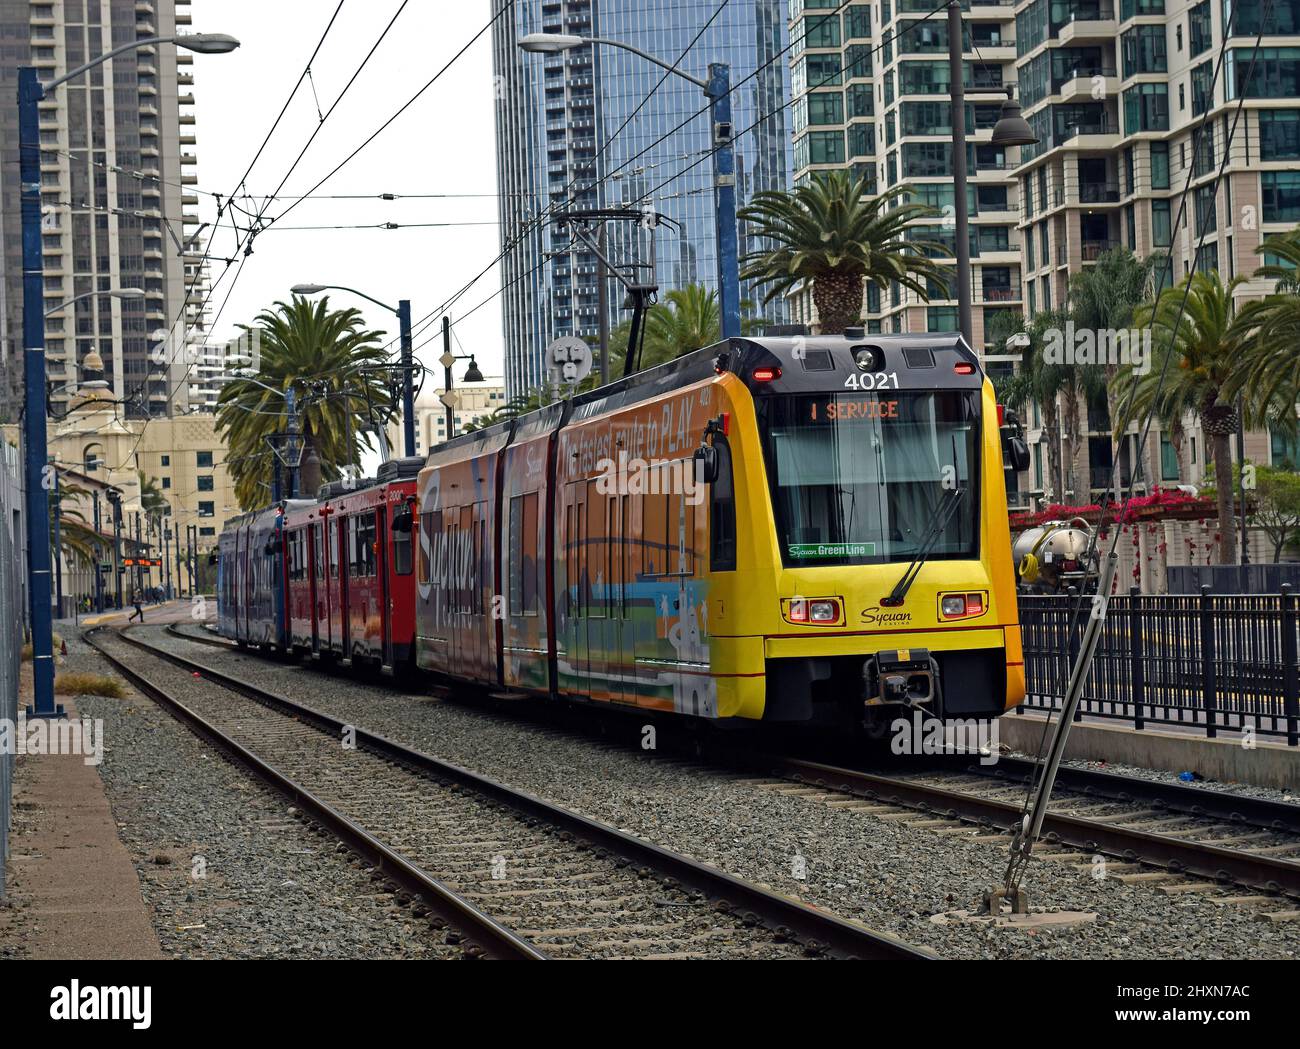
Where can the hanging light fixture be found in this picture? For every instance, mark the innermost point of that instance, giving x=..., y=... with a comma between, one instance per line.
x=1012, y=129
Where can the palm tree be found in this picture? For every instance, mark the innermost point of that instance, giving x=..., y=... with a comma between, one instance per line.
x=1040, y=381
x=831, y=235
x=77, y=540
x=1273, y=364
x=320, y=353
x=687, y=319
x=1201, y=359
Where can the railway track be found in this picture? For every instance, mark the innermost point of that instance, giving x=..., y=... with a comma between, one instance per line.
x=1180, y=839
x=513, y=875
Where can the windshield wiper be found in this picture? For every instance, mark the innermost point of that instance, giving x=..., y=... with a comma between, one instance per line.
x=939, y=521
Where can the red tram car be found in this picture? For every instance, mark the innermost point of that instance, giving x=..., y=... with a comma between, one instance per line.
x=349, y=570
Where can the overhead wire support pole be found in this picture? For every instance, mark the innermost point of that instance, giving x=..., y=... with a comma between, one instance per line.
x=724, y=195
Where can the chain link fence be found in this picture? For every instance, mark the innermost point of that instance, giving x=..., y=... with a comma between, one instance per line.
x=12, y=546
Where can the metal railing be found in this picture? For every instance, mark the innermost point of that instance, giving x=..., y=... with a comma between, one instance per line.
x=1209, y=662
x=12, y=545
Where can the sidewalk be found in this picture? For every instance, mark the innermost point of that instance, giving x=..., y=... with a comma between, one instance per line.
x=73, y=891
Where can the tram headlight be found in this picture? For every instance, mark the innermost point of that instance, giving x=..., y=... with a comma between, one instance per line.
x=961, y=606
x=814, y=611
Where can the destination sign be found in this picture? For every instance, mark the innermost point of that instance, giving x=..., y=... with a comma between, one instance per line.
x=841, y=410
x=810, y=550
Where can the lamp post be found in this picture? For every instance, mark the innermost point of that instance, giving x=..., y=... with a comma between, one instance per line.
x=99, y=559
x=30, y=93
x=114, y=496
x=472, y=374
x=403, y=312
x=718, y=91
x=1010, y=130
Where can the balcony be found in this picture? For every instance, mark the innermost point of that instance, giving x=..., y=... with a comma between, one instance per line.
x=1092, y=250
x=1001, y=293
x=1098, y=193
x=1088, y=21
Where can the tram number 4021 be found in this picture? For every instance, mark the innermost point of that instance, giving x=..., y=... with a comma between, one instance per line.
x=872, y=381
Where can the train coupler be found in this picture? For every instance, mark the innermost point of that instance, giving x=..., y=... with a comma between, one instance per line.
x=900, y=677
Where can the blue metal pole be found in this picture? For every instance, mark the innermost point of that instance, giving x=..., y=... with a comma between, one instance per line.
x=724, y=193
x=35, y=445
x=408, y=378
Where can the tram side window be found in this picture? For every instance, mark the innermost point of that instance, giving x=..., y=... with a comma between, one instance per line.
x=722, y=513
x=361, y=544
x=402, y=547
x=523, y=555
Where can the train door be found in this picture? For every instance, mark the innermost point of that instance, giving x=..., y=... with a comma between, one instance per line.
x=346, y=566
x=621, y=639
x=313, y=583
x=595, y=554
x=382, y=562
x=580, y=582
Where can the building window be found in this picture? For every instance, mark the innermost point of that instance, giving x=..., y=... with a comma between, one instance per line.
x=1168, y=460
x=205, y=482
x=166, y=460
x=1281, y=196
x=207, y=531
x=1279, y=134
x=204, y=460
x=166, y=483
x=1276, y=75
x=1146, y=108
x=1159, y=165
x=207, y=509
x=1160, y=233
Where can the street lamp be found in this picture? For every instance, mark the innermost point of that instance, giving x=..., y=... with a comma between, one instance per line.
x=30, y=93
x=403, y=311
x=117, y=293
x=472, y=374
x=718, y=91
x=1010, y=130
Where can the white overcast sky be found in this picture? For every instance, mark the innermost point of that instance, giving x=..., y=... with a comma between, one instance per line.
x=443, y=143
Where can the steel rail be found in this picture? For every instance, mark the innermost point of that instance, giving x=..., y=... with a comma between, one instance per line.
x=784, y=916
x=483, y=932
x=1265, y=873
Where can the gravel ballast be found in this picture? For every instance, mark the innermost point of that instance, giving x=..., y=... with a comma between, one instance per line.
x=226, y=867
x=892, y=877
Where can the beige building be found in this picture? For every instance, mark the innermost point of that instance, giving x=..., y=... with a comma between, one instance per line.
x=182, y=455
x=871, y=95
x=1114, y=91
x=473, y=402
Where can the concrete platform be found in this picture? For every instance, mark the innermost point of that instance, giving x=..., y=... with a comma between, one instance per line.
x=1035, y=919
x=73, y=891
x=1224, y=759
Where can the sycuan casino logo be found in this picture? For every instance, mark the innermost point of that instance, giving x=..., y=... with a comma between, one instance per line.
x=877, y=616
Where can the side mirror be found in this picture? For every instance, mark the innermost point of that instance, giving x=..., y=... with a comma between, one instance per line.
x=706, y=463
x=402, y=523
x=272, y=547
x=212, y=558
x=1016, y=454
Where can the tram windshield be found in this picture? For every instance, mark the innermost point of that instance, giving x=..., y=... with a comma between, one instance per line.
x=856, y=477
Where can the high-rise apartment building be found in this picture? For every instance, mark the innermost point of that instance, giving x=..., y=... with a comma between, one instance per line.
x=871, y=84
x=117, y=177
x=583, y=126
x=1129, y=109
x=1115, y=92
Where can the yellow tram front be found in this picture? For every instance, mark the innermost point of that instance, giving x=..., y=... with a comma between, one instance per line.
x=874, y=552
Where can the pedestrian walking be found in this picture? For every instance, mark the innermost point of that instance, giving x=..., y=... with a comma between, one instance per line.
x=136, y=598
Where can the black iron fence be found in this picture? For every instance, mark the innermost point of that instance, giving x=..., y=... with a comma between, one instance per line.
x=1211, y=661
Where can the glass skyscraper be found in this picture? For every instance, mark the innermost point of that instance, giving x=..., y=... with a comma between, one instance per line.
x=561, y=137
